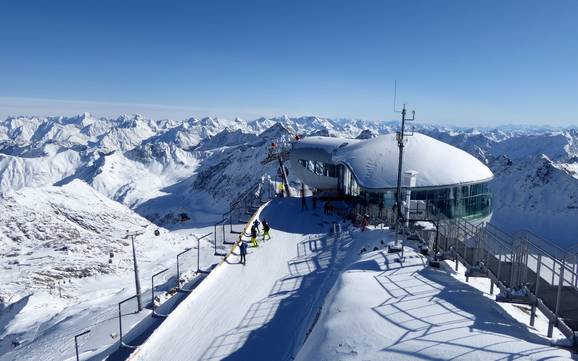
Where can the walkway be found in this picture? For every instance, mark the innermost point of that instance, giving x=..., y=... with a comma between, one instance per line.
x=260, y=311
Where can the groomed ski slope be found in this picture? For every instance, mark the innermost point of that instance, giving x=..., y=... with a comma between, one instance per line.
x=373, y=308
x=262, y=310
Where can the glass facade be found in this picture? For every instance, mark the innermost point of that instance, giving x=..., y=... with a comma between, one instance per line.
x=466, y=201
x=320, y=168
x=463, y=201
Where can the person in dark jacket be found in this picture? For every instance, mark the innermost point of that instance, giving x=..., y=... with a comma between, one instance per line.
x=256, y=224
x=254, y=237
x=243, y=248
x=380, y=207
x=266, y=229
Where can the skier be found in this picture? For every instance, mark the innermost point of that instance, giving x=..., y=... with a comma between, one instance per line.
x=266, y=229
x=243, y=248
x=256, y=224
x=254, y=237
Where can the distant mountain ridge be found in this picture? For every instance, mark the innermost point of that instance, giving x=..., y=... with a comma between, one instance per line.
x=162, y=167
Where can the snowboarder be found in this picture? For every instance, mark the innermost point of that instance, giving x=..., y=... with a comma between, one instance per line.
x=243, y=248
x=254, y=237
x=266, y=229
x=256, y=224
x=380, y=206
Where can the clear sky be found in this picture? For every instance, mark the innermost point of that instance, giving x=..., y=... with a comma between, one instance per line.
x=459, y=62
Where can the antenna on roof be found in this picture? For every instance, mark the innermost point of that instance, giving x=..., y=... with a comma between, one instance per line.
x=400, y=137
x=395, y=97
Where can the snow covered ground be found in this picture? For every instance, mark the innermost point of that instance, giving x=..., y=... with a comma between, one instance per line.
x=58, y=277
x=308, y=287
x=261, y=310
x=382, y=309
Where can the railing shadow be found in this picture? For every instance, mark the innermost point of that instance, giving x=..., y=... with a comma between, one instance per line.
x=455, y=314
x=268, y=330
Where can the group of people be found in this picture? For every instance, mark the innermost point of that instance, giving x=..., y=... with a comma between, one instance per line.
x=254, y=232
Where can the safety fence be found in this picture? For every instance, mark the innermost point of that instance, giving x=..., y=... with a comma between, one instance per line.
x=168, y=287
x=231, y=225
x=222, y=226
x=527, y=269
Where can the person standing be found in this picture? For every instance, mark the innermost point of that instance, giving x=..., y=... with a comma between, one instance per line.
x=303, y=200
x=243, y=248
x=380, y=207
x=254, y=237
x=266, y=229
x=256, y=224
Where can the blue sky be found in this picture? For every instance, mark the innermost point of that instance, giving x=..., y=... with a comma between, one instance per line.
x=456, y=62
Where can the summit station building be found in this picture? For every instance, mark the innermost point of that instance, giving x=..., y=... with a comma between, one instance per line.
x=447, y=179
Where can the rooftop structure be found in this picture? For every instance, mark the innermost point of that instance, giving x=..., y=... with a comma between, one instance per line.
x=447, y=178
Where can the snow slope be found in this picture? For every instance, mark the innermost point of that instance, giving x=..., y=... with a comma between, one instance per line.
x=378, y=310
x=383, y=310
x=262, y=310
x=54, y=234
x=57, y=275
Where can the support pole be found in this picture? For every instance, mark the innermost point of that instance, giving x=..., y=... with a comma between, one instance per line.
x=199, y=251
x=558, y=296
x=136, y=276
x=76, y=343
x=536, y=290
x=153, y=289
x=178, y=267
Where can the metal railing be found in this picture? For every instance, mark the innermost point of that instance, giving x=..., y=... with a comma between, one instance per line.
x=245, y=205
x=527, y=268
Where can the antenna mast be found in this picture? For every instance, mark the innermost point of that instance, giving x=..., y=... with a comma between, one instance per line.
x=400, y=137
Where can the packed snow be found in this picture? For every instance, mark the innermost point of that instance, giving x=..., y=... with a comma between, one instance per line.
x=310, y=295
x=382, y=308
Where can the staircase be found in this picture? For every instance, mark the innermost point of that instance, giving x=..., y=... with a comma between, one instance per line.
x=535, y=271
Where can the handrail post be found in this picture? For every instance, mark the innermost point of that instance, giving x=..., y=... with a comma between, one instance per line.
x=199, y=250
x=178, y=267
x=153, y=289
x=122, y=344
x=499, y=266
x=536, y=290
x=455, y=236
x=558, y=296
x=76, y=343
x=120, y=323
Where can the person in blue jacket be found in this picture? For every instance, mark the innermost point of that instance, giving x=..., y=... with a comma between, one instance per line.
x=243, y=248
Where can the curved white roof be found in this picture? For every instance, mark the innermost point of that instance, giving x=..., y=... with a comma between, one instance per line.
x=374, y=161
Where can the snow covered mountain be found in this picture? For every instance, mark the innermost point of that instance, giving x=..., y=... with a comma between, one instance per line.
x=51, y=234
x=70, y=188
x=162, y=168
